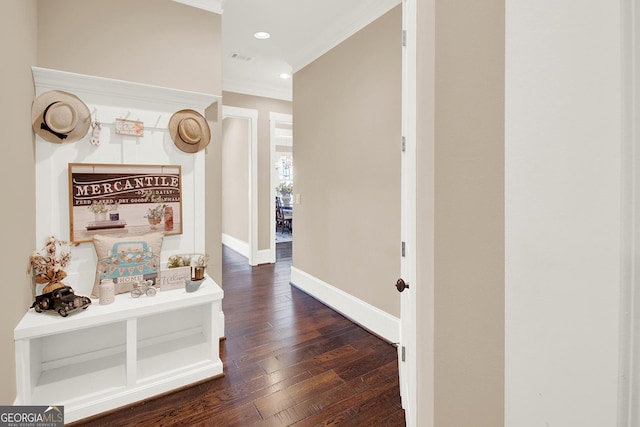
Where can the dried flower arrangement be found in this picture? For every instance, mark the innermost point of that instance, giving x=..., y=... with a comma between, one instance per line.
x=49, y=267
x=201, y=260
x=285, y=187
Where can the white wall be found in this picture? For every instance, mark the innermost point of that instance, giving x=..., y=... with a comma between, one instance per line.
x=108, y=99
x=563, y=210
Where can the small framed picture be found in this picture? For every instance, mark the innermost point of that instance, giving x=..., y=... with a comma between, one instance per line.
x=129, y=127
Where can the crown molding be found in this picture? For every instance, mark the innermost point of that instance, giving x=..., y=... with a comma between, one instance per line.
x=336, y=35
x=46, y=79
x=214, y=6
x=251, y=88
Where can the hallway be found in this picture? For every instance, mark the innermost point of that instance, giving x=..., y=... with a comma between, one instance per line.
x=288, y=360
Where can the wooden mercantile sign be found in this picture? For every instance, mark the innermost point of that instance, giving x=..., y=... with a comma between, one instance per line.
x=123, y=200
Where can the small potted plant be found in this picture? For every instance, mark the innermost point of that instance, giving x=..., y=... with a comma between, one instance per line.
x=197, y=263
x=177, y=261
x=99, y=209
x=198, y=266
x=154, y=215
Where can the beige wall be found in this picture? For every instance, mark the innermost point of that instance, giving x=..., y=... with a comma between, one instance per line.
x=235, y=178
x=264, y=107
x=161, y=43
x=18, y=32
x=157, y=42
x=425, y=188
x=346, y=149
x=461, y=180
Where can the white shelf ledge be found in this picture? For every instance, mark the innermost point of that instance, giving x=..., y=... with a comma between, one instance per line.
x=35, y=325
x=106, y=89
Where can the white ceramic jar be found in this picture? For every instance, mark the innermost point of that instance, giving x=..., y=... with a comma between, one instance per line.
x=107, y=292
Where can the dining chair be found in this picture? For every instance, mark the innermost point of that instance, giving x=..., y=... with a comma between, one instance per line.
x=283, y=220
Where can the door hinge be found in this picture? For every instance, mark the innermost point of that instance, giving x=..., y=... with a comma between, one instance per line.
x=404, y=144
x=403, y=353
x=404, y=38
x=403, y=249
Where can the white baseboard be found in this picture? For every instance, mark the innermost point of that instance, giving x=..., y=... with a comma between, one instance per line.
x=236, y=244
x=264, y=256
x=362, y=313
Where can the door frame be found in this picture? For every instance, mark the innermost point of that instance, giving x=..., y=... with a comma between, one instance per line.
x=274, y=119
x=407, y=350
x=629, y=375
x=252, y=116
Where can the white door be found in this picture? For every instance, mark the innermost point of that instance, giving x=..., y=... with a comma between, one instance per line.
x=407, y=347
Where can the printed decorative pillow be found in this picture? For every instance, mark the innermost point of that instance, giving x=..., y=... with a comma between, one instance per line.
x=127, y=260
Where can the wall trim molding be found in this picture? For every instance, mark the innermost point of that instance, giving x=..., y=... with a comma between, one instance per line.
x=214, y=6
x=236, y=244
x=113, y=91
x=336, y=34
x=263, y=257
x=369, y=317
x=629, y=347
x=230, y=84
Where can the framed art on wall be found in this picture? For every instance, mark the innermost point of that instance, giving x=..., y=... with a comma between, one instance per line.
x=120, y=199
x=129, y=127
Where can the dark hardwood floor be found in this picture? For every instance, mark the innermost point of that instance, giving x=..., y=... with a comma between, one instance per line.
x=288, y=360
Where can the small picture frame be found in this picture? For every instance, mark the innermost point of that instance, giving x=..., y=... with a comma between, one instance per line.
x=129, y=127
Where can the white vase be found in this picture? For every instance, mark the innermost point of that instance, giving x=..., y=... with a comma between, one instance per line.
x=106, y=291
x=286, y=198
x=100, y=216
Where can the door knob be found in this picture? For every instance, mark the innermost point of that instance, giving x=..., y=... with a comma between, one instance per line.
x=401, y=285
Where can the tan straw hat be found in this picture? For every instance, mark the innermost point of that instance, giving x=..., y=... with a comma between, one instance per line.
x=59, y=116
x=189, y=131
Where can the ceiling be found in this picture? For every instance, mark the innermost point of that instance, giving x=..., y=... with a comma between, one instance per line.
x=301, y=31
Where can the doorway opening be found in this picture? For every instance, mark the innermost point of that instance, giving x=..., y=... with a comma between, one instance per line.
x=282, y=180
x=240, y=182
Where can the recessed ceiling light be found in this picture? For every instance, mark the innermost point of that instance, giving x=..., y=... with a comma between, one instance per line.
x=285, y=76
x=262, y=35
